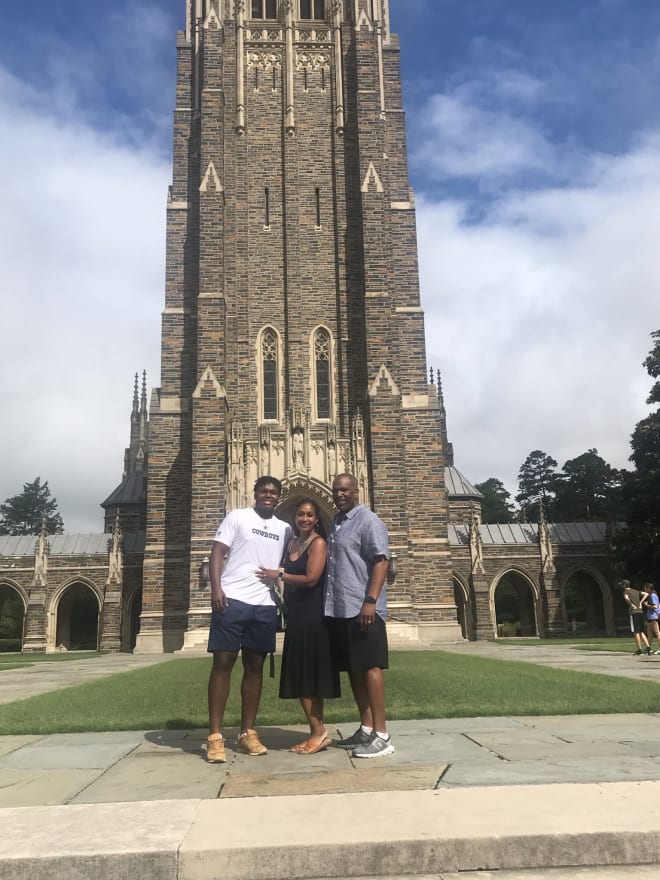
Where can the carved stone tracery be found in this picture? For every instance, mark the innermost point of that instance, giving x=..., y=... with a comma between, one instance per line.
x=264, y=60
x=304, y=35
x=264, y=35
x=312, y=61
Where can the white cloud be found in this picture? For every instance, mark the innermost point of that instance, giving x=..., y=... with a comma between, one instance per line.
x=463, y=139
x=544, y=310
x=81, y=272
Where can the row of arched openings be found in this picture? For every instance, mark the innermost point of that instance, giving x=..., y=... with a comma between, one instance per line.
x=516, y=608
x=75, y=624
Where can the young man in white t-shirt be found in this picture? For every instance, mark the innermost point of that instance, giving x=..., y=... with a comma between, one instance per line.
x=243, y=611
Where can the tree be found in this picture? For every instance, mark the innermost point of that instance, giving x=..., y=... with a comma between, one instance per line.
x=588, y=489
x=637, y=547
x=537, y=479
x=24, y=514
x=495, y=508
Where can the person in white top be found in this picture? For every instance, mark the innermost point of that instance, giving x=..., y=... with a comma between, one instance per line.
x=243, y=616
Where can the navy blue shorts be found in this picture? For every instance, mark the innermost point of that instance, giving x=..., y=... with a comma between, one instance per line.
x=243, y=626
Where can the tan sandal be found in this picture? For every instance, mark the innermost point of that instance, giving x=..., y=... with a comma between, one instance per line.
x=319, y=747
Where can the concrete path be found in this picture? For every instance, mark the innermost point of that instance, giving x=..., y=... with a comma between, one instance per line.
x=51, y=675
x=615, y=663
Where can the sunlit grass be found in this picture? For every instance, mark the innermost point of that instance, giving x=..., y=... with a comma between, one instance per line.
x=420, y=684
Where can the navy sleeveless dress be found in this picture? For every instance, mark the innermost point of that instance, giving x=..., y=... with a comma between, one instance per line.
x=307, y=668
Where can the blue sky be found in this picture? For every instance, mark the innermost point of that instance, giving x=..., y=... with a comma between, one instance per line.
x=534, y=137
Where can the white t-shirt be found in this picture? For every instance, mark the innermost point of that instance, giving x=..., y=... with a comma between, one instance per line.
x=254, y=542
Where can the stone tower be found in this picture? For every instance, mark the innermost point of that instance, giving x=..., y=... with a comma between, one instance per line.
x=292, y=334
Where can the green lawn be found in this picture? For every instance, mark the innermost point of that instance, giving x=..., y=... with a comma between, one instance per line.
x=420, y=684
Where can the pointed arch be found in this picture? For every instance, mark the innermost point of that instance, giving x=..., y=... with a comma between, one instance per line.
x=322, y=369
x=269, y=356
x=517, y=609
x=465, y=606
x=130, y=618
x=299, y=488
x=591, y=598
x=13, y=608
x=73, y=615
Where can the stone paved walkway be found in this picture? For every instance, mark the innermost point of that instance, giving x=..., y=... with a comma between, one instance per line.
x=430, y=755
x=41, y=677
x=616, y=663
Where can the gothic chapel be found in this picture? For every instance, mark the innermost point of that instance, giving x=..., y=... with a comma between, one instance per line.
x=292, y=332
x=293, y=345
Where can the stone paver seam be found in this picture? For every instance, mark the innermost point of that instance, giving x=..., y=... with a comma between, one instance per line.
x=191, y=822
x=486, y=748
x=438, y=783
x=101, y=775
x=556, y=735
x=23, y=745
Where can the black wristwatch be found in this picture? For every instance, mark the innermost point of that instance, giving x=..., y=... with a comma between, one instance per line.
x=369, y=600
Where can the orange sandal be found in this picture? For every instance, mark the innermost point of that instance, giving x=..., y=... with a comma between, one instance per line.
x=321, y=746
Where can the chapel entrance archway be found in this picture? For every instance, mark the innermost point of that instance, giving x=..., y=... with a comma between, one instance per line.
x=77, y=619
x=515, y=606
x=296, y=492
x=12, y=618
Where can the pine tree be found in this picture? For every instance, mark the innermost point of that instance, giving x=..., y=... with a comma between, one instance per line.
x=588, y=489
x=24, y=514
x=495, y=508
x=537, y=480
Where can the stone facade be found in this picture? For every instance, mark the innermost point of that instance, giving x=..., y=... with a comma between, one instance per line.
x=71, y=592
x=546, y=566
x=293, y=345
x=293, y=336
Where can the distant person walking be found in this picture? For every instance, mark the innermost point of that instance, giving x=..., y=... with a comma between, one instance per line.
x=244, y=616
x=634, y=600
x=652, y=614
x=356, y=606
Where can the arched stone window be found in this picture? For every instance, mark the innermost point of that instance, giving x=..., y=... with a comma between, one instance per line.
x=312, y=10
x=270, y=371
x=323, y=374
x=264, y=9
